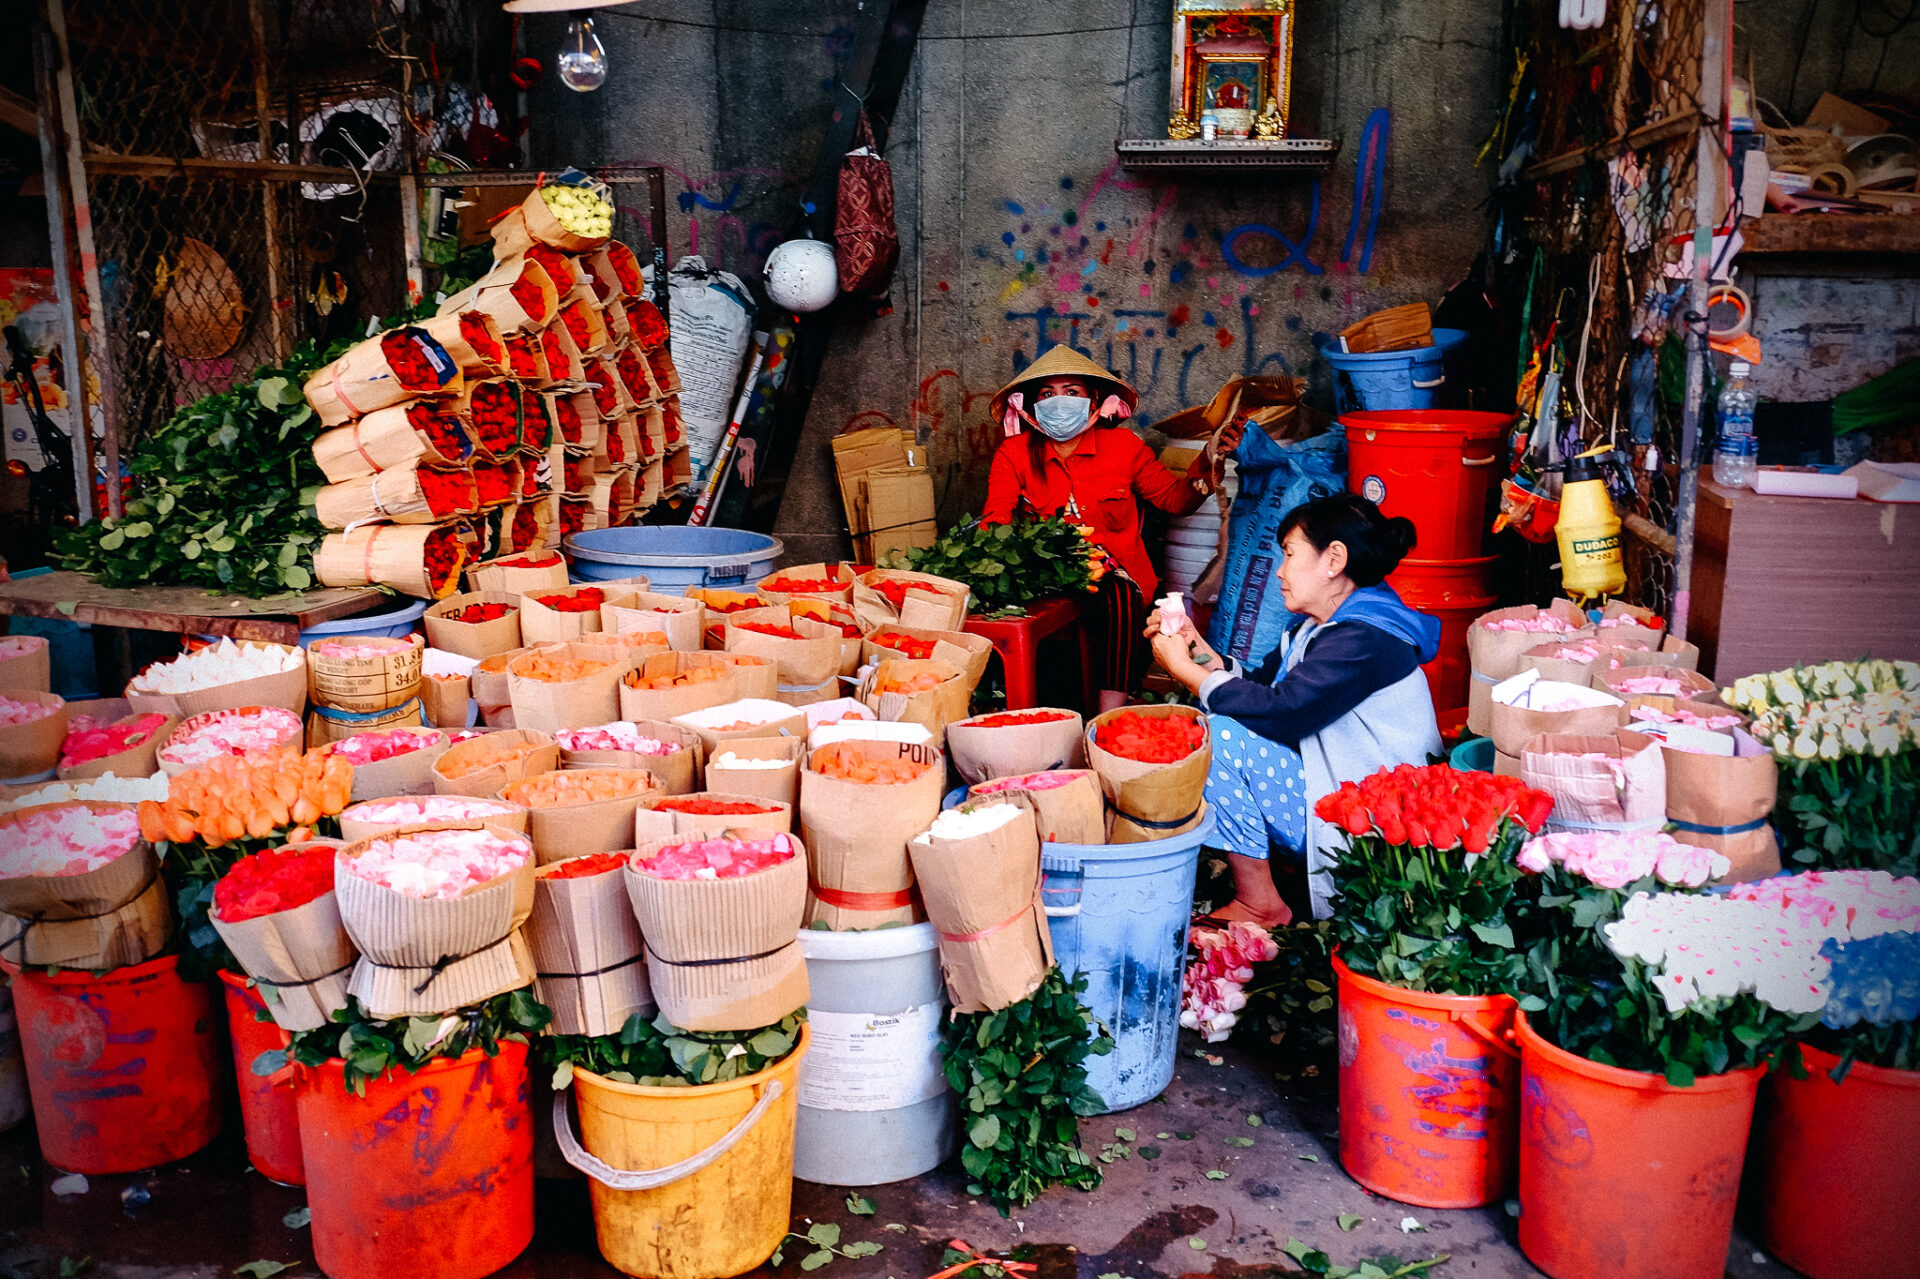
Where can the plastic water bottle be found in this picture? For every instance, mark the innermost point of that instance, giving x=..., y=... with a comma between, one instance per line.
x=1736, y=457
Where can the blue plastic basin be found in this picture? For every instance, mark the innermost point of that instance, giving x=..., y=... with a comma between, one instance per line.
x=1390, y=379
x=1475, y=755
x=392, y=624
x=674, y=557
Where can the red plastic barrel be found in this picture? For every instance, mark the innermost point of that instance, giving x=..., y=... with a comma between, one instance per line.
x=1455, y=592
x=429, y=1175
x=124, y=1069
x=1838, y=1182
x=267, y=1114
x=1434, y=466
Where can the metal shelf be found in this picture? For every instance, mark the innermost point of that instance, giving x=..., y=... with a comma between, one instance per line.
x=1286, y=157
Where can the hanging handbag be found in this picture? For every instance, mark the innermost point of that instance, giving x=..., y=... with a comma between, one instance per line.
x=866, y=243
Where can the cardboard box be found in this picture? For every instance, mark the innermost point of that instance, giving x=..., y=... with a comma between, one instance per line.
x=723, y=954
x=896, y=510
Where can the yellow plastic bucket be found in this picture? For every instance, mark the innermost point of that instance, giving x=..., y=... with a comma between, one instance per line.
x=687, y=1183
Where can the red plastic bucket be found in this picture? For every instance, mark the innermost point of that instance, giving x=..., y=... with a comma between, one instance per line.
x=1427, y=1093
x=1621, y=1173
x=124, y=1069
x=267, y=1114
x=1434, y=466
x=1837, y=1180
x=1455, y=592
x=429, y=1175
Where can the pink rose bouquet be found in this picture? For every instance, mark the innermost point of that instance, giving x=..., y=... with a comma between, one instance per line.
x=1213, y=991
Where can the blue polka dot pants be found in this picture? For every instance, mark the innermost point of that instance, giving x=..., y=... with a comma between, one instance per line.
x=1257, y=789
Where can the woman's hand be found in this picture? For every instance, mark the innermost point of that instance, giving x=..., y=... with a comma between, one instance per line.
x=1172, y=654
x=1190, y=636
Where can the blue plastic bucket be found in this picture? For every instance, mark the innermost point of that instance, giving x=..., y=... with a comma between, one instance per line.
x=1475, y=755
x=1119, y=913
x=673, y=556
x=1389, y=379
x=392, y=624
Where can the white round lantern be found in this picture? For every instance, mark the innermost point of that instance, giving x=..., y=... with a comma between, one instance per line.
x=802, y=276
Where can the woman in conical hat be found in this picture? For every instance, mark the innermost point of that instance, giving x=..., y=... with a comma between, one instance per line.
x=1068, y=454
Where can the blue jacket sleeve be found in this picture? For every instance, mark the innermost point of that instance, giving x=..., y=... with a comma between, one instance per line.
x=1343, y=666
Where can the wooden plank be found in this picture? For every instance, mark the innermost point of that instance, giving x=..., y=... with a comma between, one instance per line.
x=180, y=609
x=1646, y=135
x=1834, y=233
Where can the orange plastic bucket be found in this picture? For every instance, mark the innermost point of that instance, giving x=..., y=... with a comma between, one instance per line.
x=1621, y=1173
x=1434, y=466
x=429, y=1175
x=267, y=1114
x=124, y=1069
x=1837, y=1182
x=1455, y=592
x=1427, y=1093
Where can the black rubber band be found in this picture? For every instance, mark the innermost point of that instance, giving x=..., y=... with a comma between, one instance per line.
x=1145, y=824
x=711, y=963
x=437, y=967
x=27, y=922
x=610, y=968
x=308, y=981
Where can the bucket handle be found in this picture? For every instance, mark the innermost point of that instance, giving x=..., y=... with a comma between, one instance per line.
x=735, y=572
x=653, y=1178
x=1054, y=865
x=1420, y=384
x=1499, y=1041
x=1478, y=461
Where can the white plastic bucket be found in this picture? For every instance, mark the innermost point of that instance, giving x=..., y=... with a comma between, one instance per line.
x=874, y=1103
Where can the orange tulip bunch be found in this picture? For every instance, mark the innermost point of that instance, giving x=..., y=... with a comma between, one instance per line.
x=249, y=797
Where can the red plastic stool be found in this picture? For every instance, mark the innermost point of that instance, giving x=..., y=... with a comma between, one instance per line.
x=1017, y=640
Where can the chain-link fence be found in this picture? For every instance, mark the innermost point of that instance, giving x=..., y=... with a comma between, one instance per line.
x=1604, y=132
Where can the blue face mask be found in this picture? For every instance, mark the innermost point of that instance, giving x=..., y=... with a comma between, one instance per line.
x=1061, y=417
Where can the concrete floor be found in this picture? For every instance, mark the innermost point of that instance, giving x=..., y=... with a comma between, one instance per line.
x=1157, y=1216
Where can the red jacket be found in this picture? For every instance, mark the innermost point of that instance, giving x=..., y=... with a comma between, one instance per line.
x=1103, y=478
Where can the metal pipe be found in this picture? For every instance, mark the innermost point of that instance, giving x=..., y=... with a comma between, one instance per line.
x=72, y=370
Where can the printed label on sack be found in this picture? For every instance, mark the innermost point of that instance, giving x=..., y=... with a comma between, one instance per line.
x=872, y=1061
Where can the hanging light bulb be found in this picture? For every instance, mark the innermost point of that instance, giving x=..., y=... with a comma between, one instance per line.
x=582, y=60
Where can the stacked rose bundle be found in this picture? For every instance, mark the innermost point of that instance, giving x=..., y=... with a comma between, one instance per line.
x=1844, y=733
x=248, y=730
x=1213, y=991
x=79, y=882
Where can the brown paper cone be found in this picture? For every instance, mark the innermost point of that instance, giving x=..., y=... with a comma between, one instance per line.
x=362, y=381
x=1674, y=653
x=778, y=784
x=1693, y=685
x=489, y=679
x=1731, y=797
x=140, y=759
x=1631, y=620
x=408, y=774
x=758, y=677
x=576, y=830
x=589, y=965
x=287, y=689
x=610, y=394
x=472, y=339
x=667, y=704
x=303, y=956
x=722, y=954
x=364, y=683
x=842, y=574
x=540, y=624
x=945, y=612
x=425, y=957
x=31, y=669
x=983, y=895
x=496, y=575
x=762, y=717
x=1630, y=793
x=106, y=918
x=533, y=223
x=443, y=700
x=1073, y=813
x=1150, y=801
x=1668, y=705
x=801, y=665
x=393, y=439
x=393, y=555
x=656, y=818
x=677, y=774
x=981, y=753
x=857, y=835
x=603, y=276
x=361, y=821
x=473, y=639
x=485, y=782
x=494, y=295
x=580, y=316
x=168, y=757
x=1495, y=655
x=33, y=747
x=1517, y=724
x=547, y=706
x=969, y=652
x=935, y=708
x=678, y=618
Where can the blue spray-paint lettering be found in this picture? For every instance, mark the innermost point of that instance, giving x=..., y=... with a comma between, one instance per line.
x=1369, y=177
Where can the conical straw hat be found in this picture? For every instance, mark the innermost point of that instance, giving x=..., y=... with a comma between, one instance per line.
x=1063, y=361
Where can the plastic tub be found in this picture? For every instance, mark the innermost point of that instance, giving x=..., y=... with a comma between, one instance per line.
x=1428, y=1092
x=687, y=1183
x=1389, y=379
x=430, y=1175
x=674, y=557
x=1119, y=913
x=1455, y=592
x=1621, y=1173
x=1475, y=755
x=268, y=1117
x=392, y=624
x=124, y=1069
x=874, y=1103
x=1434, y=466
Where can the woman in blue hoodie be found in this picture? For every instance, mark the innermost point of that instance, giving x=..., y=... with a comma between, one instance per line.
x=1341, y=697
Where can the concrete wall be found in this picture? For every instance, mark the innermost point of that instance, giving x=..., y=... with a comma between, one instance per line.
x=1018, y=230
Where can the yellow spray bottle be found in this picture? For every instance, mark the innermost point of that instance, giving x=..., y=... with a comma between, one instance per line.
x=1588, y=532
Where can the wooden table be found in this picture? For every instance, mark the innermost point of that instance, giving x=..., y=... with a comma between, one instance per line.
x=184, y=610
x=1780, y=580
